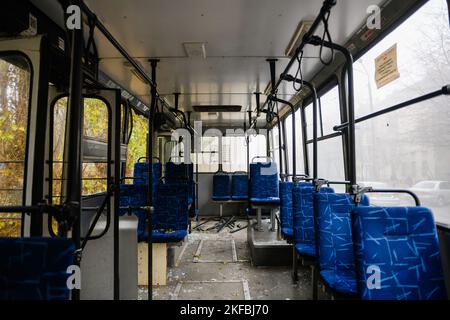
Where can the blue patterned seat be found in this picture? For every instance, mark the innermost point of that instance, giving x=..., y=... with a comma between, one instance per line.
x=176, y=173
x=135, y=195
x=336, y=258
x=403, y=244
x=264, y=184
x=221, y=187
x=35, y=268
x=303, y=218
x=286, y=218
x=170, y=217
x=239, y=186
x=141, y=175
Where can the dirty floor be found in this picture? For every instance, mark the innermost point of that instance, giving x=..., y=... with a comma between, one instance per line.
x=216, y=266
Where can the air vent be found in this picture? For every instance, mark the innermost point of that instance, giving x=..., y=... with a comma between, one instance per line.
x=213, y=109
x=195, y=49
x=297, y=38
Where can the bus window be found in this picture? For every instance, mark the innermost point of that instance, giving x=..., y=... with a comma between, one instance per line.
x=137, y=146
x=234, y=154
x=330, y=152
x=95, y=128
x=331, y=114
x=208, y=159
x=330, y=161
x=274, y=146
x=300, y=164
x=258, y=146
x=15, y=79
x=410, y=146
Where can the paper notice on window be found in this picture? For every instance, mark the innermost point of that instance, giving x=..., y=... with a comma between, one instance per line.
x=386, y=68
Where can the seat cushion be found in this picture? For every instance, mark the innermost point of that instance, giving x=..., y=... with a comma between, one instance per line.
x=160, y=236
x=239, y=197
x=265, y=201
x=287, y=232
x=403, y=243
x=343, y=282
x=225, y=198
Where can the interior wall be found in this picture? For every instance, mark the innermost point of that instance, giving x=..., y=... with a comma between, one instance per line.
x=207, y=207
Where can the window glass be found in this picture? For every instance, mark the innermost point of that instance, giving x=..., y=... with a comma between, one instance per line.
x=234, y=154
x=208, y=159
x=137, y=146
x=288, y=142
x=15, y=79
x=95, y=130
x=331, y=115
x=330, y=161
x=408, y=148
x=300, y=161
x=258, y=146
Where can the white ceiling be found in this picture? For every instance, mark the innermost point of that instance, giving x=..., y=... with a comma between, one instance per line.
x=239, y=36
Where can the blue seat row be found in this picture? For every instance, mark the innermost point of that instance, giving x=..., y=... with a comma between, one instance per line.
x=35, y=268
x=264, y=184
x=170, y=208
x=399, y=243
x=230, y=186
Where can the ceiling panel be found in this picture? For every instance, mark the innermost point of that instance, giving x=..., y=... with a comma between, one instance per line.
x=239, y=36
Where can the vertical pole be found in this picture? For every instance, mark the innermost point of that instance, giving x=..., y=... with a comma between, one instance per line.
x=258, y=103
x=177, y=96
x=116, y=140
x=153, y=93
x=305, y=138
x=272, y=63
x=286, y=163
x=72, y=144
x=248, y=160
x=280, y=145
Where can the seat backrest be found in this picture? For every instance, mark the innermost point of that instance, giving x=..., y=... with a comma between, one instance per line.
x=264, y=182
x=403, y=244
x=176, y=171
x=171, y=207
x=222, y=185
x=286, y=218
x=133, y=195
x=239, y=185
x=335, y=233
x=303, y=212
x=35, y=268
